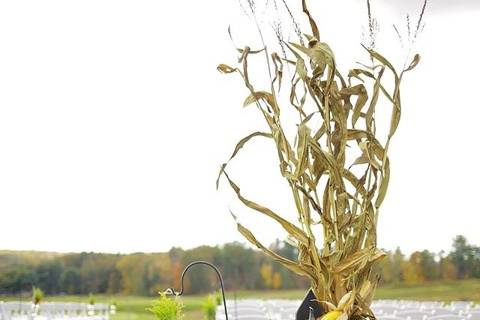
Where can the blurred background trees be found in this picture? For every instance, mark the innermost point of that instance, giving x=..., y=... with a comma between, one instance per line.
x=242, y=268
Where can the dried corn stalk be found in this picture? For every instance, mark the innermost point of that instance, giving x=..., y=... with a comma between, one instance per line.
x=325, y=185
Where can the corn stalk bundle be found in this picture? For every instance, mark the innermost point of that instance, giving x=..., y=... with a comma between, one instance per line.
x=342, y=195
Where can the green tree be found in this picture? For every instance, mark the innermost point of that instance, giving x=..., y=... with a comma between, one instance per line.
x=132, y=269
x=476, y=262
x=385, y=269
x=397, y=262
x=240, y=273
x=17, y=279
x=70, y=281
x=448, y=271
x=462, y=257
x=48, y=276
x=429, y=266
x=202, y=279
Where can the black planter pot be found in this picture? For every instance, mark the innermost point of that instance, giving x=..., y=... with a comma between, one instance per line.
x=309, y=307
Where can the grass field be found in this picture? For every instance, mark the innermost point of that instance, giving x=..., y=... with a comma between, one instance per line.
x=134, y=307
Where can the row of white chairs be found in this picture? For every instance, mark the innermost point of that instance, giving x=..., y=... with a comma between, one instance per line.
x=425, y=310
x=407, y=304
x=424, y=317
x=244, y=310
x=16, y=310
x=383, y=309
x=259, y=310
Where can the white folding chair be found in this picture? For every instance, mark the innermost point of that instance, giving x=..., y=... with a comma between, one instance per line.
x=473, y=315
x=413, y=314
x=447, y=317
x=100, y=312
x=220, y=314
x=461, y=305
x=389, y=317
x=443, y=312
x=387, y=310
x=285, y=315
x=251, y=317
x=3, y=311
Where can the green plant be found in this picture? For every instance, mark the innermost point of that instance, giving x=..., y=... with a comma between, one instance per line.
x=91, y=299
x=218, y=297
x=336, y=165
x=37, y=295
x=209, y=307
x=165, y=308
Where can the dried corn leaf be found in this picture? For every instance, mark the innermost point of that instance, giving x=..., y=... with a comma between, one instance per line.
x=290, y=228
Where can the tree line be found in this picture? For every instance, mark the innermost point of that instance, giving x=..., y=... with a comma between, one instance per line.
x=463, y=262
x=241, y=266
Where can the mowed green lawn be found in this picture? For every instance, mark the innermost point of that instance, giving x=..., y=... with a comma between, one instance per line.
x=134, y=307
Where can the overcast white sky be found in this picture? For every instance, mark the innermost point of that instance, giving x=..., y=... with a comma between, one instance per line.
x=114, y=121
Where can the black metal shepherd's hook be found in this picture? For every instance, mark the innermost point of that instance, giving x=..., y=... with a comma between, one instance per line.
x=171, y=291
